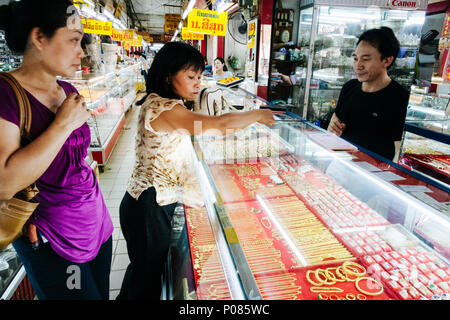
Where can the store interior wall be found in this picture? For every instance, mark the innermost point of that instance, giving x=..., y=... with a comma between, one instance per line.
x=211, y=49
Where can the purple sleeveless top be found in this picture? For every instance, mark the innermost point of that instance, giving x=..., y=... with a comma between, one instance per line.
x=71, y=214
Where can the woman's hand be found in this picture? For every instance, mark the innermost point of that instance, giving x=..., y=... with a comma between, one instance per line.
x=19, y=167
x=266, y=117
x=336, y=126
x=73, y=113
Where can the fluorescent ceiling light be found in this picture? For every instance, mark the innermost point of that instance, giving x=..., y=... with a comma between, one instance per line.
x=415, y=20
x=102, y=17
x=175, y=35
x=88, y=11
x=284, y=233
x=108, y=14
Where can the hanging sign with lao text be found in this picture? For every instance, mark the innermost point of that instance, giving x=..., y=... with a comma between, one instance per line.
x=117, y=35
x=187, y=35
x=207, y=22
x=171, y=22
x=128, y=35
x=97, y=27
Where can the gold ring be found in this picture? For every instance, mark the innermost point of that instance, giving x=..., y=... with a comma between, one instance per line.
x=350, y=296
x=367, y=292
x=361, y=296
x=322, y=296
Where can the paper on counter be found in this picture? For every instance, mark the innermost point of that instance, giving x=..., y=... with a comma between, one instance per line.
x=440, y=206
x=331, y=141
x=388, y=176
x=409, y=188
x=366, y=166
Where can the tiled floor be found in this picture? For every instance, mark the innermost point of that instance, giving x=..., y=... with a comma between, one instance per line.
x=113, y=183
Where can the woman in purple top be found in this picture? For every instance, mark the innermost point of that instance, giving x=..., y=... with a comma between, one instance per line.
x=74, y=258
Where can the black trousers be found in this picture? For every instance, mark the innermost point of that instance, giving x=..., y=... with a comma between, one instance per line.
x=146, y=227
x=55, y=278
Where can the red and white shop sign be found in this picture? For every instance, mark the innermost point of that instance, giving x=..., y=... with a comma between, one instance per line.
x=404, y=4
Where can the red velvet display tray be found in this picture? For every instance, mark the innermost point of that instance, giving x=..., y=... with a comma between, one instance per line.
x=260, y=233
x=405, y=268
x=208, y=272
x=439, y=163
x=347, y=286
x=332, y=212
x=294, y=285
x=241, y=182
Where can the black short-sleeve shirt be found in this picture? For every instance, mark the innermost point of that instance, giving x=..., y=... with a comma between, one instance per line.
x=374, y=120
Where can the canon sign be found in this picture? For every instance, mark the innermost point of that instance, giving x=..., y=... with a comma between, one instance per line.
x=401, y=4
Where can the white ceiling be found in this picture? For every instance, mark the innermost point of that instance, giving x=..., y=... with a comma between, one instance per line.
x=151, y=12
x=157, y=6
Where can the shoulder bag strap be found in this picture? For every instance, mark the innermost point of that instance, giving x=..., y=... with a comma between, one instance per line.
x=23, y=104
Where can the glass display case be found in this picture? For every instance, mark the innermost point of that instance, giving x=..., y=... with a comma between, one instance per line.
x=108, y=96
x=8, y=61
x=11, y=272
x=426, y=140
x=287, y=218
x=327, y=37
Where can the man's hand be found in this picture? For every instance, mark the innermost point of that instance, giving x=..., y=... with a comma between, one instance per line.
x=336, y=126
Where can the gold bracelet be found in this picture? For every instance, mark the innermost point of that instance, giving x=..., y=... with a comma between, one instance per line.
x=367, y=292
x=319, y=271
x=347, y=266
x=342, y=277
x=310, y=281
x=330, y=275
x=325, y=289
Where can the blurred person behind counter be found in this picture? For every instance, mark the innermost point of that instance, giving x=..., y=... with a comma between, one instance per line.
x=220, y=69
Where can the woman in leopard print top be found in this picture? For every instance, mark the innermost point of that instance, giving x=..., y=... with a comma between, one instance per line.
x=163, y=173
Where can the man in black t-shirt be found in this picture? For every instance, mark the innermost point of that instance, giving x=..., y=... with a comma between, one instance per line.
x=371, y=109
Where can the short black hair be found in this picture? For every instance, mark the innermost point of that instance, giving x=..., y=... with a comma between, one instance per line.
x=225, y=68
x=18, y=18
x=384, y=40
x=169, y=60
x=138, y=53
